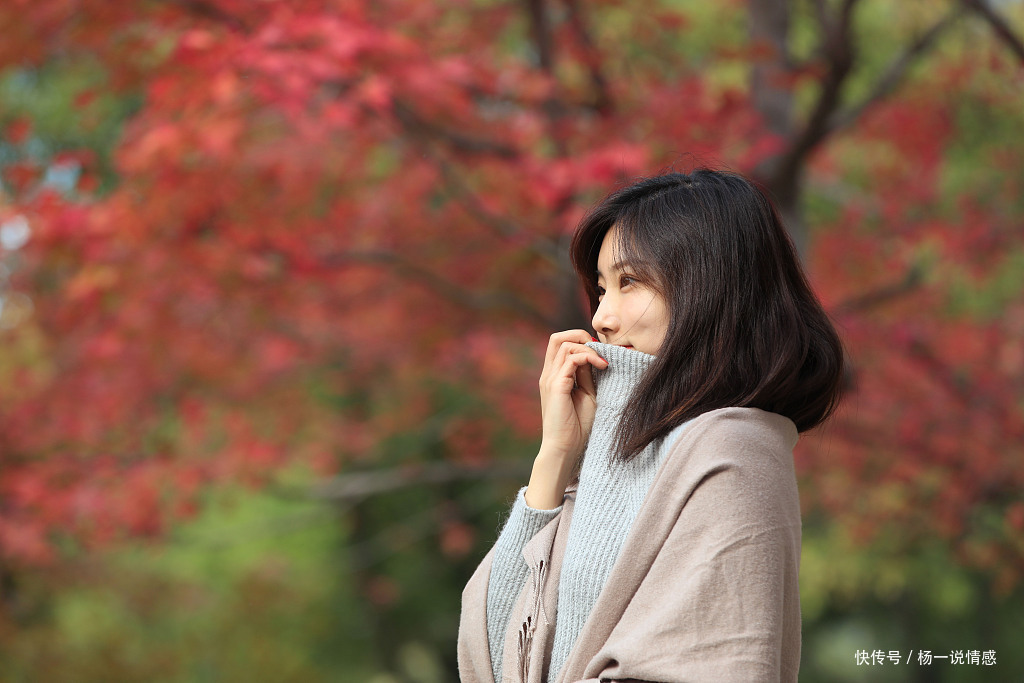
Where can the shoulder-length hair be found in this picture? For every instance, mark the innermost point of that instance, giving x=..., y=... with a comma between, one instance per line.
x=745, y=328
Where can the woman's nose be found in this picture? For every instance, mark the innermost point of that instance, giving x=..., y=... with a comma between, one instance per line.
x=605, y=321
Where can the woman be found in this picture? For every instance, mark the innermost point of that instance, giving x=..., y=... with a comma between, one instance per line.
x=673, y=555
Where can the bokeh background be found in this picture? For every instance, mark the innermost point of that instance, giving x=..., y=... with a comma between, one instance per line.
x=276, y=280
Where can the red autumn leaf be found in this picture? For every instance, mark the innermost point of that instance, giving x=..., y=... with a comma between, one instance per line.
x=18, y=130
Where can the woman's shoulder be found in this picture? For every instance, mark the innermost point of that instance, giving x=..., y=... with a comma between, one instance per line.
x=751, y=424
x=743, y=455
x=734, y=437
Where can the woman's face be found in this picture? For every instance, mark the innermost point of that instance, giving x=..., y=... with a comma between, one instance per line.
x=630, y=313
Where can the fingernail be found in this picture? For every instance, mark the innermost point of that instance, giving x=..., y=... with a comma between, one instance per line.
x=593, y=339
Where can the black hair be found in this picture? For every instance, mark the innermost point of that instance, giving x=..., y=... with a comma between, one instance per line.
x=745, y=329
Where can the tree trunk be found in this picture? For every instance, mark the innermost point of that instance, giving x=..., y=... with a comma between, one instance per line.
x=769, y=33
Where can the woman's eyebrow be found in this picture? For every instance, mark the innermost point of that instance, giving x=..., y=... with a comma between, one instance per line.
x=618, y=266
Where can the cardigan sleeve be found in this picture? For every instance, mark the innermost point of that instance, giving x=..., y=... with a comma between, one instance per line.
x=721, y=599
x=509, y=570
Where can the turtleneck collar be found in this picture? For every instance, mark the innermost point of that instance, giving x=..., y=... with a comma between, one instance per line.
x=616, y=383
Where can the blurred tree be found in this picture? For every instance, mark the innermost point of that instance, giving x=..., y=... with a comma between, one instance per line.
x=237, y=236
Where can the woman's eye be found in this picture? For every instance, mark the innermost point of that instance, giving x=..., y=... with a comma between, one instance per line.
x=600, y=291
x=626, y=281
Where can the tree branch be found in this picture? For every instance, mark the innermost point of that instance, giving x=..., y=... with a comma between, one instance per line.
x=837, y=47
x=957, y=386
x=416, y=124
x=910, y=281
x=211, y=11
x=895, y=72
x=541, y=31
x=783, y=175
x=498, y=224
x=999, y=25
x=602, y=96
x=351, y=488
x=769, y=28
x=553, y=107
x=449, y=290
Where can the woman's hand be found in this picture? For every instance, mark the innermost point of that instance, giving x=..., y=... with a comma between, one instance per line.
x=568, y=398
x=568, y=401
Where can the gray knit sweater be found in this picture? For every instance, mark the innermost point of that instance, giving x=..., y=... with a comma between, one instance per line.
x=608, y=498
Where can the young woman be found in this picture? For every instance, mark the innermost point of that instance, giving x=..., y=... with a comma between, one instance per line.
x=673, y=554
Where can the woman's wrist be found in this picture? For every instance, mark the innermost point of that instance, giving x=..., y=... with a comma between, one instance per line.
x=550, y=476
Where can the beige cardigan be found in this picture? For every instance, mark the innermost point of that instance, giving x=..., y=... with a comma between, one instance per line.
x=705, y=588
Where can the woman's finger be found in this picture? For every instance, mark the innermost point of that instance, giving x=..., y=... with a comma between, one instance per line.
x=558, y=370
x=556, y=340
x=585, y=378
x=576, y=367
x=575, y=348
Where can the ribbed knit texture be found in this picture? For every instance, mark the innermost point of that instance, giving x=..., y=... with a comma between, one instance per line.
x=609, y=496
x=509, y=571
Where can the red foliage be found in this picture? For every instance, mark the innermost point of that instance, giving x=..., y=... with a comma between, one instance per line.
x=351, y=202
